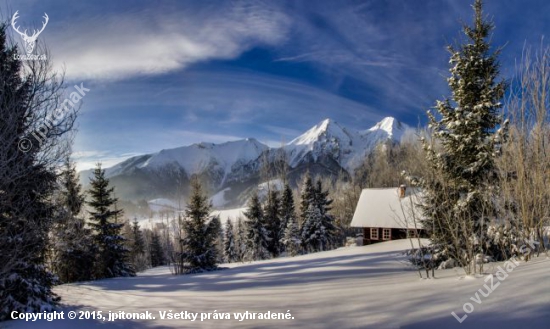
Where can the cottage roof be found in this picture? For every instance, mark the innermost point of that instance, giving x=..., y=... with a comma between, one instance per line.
x=382, y=207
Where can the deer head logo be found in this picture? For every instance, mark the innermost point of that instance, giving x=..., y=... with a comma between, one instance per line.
x=30, y=40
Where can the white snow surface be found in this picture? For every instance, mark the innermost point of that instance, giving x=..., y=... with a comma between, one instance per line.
x=354, y=287
x=231, y=214
x=218, y=200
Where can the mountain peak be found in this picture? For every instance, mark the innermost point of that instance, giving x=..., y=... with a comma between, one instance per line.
x=389, y=125
x=326, y=123
x=324, y=128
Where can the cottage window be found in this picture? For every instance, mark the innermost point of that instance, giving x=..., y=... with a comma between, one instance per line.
x=374, y=233
x=386, y=234
x=413, y=233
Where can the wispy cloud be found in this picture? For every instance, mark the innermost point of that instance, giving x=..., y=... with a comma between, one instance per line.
x=89, y=159
x=117, y=45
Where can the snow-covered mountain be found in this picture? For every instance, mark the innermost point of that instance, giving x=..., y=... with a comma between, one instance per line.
x=219, y=160
x=346, y=146
x=325, y=149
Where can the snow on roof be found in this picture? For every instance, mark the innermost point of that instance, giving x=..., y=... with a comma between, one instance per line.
x=382, y=207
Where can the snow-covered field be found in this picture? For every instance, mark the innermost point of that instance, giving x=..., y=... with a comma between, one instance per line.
x=356, y=287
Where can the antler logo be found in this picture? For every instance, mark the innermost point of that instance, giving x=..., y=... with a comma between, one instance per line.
x=30, y=41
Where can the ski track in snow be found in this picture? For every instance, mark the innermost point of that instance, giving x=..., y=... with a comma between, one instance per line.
x=355, y=287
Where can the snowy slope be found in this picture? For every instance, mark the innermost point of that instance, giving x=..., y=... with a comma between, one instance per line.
x=198, y=158
x=231, y=214
x=219, y=200
x=356, y=287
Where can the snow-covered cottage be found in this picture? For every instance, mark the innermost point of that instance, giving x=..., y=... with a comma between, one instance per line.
x=388, y=214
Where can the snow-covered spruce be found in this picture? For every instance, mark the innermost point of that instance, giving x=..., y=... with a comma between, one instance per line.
x=30, y=93
x=112, y=259
x=73, y=252
x=201, y=231
x=240, y=240
x=318, y=231
x=272, y=220
x=257, y=236
x=290, y=230
x=458, y=201
x=158, y=257
x=229, y=247
x=136, y=245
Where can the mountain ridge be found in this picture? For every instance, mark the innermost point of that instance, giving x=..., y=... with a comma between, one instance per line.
x=325, y=149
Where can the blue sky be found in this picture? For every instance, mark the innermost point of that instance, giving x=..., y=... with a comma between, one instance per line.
x=165, y=74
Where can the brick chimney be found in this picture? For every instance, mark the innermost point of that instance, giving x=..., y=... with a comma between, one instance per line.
x=402, y=189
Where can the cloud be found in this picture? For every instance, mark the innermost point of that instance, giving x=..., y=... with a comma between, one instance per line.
x=115, y=45
x=88, y=159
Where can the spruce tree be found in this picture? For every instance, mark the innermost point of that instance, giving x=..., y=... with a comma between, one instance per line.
x=323, y=203
x=74, y=253
x=288, y=214
x=229, y=247
x=157, y=253
x=200, y=251
x=312, y=232
x=307, y=195
x=112, y=257
x=137, y=247
x=318, y=230
x=256, y=233
x=240, y=240
x=272, y=219
x=291, y=238
x=138, y=243
x=466, y=132
x=27, y=181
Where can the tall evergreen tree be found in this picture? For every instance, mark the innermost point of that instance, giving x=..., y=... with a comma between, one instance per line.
x=467, y=129
x=323, y=203
x=312, y=232
x=137, y=247
x=257, y=235
x=240, y=240
x=318, y=230
x=112, y=257
x=137, y=238
x=291, y=238
x=74, y=253
x=307, y=195
x=272, y=219
x=230, y=249
x=29, y=94
x=157, y=253
x=200, y=251
x=288, y=214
